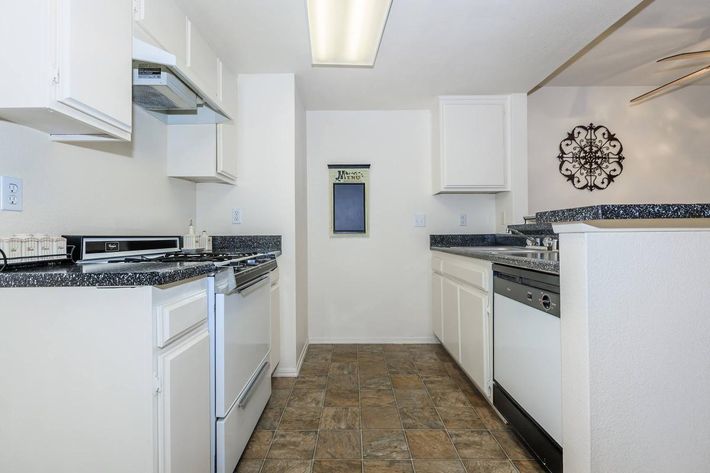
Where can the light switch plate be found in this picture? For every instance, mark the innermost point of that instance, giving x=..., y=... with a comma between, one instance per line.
x=11, y=193
x=420, y=220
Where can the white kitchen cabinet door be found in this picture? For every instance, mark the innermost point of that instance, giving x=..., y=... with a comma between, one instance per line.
x=275, y=353
x=184, y=406
x=474, y=134
x=193, y=153
x=450, y=317
x=95, y=59
x=202, y=63
x=227, y=131
x=473, y=314
x=165, y=22
x=436, y=296
x=67, y=67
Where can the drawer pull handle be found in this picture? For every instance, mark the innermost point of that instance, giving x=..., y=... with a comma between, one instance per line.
x=244, y=400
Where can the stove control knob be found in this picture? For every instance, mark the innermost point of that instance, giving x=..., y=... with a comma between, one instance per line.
x=545, y=301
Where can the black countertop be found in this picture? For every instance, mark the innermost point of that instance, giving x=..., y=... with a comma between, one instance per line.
x=624, y=211
x=104, y=274
x=544, y=261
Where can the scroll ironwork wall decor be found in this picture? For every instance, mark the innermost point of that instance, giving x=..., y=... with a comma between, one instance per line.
x=591, y=157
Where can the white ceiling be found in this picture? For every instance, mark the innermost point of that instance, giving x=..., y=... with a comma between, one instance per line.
x=429, y=48
x=627, y=56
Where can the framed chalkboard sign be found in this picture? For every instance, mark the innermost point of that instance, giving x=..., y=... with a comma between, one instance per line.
x=349, y=199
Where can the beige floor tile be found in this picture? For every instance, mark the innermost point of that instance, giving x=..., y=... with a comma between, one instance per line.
x=338, y=445
x=270, y=418
x=286, y=466
x=420, y=418
x=343, y=381
x=406, y=381
x=449, y=398
x=306, y=398
x=249, y=466
x=460, y=418
x=489, y=466
x=279, y=397
x=380, y=418
x=490, y=418
x=413, y=398
x=339, y=397
x=376, y=398
x=438, y=466
x=282, y=383
x=384, y=445
x=377, y=381
x=258, y=445
x=528, y=466
x=293, y=446
x=371, y=466
x=301, y=418
x=430, y=444
x=342, y=368
x=476, y=445
x=340, y=418
x=512, y=446
x=344, y=357
x=337, y=466
x=311, y=382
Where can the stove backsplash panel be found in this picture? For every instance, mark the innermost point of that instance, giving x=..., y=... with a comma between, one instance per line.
x=246, y=243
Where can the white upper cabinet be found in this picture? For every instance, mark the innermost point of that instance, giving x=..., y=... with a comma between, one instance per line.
x=202, y=64
x=166, y=24
x=206, y=152
x=67, y=67
x=474, y=152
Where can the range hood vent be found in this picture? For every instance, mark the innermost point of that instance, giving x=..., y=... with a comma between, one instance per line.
x=161, y=88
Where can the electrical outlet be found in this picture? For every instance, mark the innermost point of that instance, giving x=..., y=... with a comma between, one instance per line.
x=237, y=216
x=419, y=220
x=10, y=193
x=463, y=220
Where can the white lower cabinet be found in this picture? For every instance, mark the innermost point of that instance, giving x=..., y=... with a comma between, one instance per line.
x=436, y=297
x=475, y=342
x=184, y=406
x=461, y=314
x=450, y=316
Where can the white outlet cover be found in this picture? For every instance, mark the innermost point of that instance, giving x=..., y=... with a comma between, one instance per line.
x=11, y=193
x=420, y=220
x=463, y=220
x=237, y=216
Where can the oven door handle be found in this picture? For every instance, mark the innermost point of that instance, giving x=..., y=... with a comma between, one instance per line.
x=243, y=288
x=244, y=399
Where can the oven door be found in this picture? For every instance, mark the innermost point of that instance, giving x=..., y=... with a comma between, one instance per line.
x=242, y=325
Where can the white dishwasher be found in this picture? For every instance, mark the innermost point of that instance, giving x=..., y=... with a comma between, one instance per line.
x=527, y=376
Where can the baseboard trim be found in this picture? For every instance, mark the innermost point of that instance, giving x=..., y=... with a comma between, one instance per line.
x=374, y=340
x=292, y=372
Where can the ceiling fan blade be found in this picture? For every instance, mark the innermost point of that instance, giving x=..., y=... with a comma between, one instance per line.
x=689, y=55
x=674, y=83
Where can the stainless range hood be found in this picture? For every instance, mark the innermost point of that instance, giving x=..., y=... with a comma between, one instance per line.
x=160, y=87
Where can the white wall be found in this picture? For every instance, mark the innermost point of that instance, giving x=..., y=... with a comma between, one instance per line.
x=666, y=142
x=378, y=288
x=266, y=186
x=100, y=188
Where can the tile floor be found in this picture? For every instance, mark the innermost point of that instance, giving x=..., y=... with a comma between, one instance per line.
x=381, y=409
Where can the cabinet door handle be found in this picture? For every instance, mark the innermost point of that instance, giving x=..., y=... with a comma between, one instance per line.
x=244, y=400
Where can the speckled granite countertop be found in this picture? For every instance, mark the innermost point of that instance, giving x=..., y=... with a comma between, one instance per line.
x=625, y=211
x=547, y=262
x=104, y=274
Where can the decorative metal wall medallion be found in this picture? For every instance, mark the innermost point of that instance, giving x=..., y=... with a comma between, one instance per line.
x=590, y=157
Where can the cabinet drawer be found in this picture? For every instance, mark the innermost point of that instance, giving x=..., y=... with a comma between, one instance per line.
x=177, y=317
x=470, y=273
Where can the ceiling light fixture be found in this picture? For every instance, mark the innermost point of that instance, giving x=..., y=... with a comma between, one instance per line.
x=346, y=32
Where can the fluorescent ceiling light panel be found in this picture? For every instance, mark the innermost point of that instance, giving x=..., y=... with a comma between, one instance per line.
x=346, y=32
